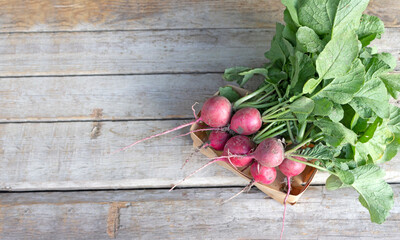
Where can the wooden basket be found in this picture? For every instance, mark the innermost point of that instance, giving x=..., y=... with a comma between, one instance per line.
x=275, y=190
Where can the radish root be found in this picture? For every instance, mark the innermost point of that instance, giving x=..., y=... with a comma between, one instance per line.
x=284, y=207
x=157, y=135
x=204, y=145
x=207, y=164
x=245, y=189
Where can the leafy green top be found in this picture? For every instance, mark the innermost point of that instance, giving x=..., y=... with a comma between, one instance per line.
x=328, y=87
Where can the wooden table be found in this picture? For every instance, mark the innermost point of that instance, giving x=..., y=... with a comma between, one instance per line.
x=82, y=78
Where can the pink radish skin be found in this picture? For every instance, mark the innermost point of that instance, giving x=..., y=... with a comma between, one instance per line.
x=246, y=121
x=270, y=152
x=261, y=174
x=218, y=139
x=216, y=112
x=290, y=169
x=239, y=145
x=264, y=175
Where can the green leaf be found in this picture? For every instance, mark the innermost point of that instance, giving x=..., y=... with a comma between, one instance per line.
x=390, y=152
x=317, y=14
x=229, y=93
x=379, y=64
x=280, y=48
x=311, y=85
x=331, y=16
x=323, y=107
x=375, y=194
x=247, y=75
x=276, y=75
x=342, y=89
x=337, y=57
x=346, y=177
x=394, y=126
x=302, y=105
x=371, y=27
x=319, y=151
x=336, y=133
x=333, y=183
x=348, y=15
x=232, y=74
x=374, y=148
x=302, y=69
x=308, y=40
x=392, y=83
x=370, y=131
x=388, y=58
x=337, y=113
x=291, y=6
x=372, y=97
x=394, y=120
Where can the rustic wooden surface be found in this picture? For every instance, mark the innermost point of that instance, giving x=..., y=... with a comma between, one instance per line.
x=188, y=214
x=82, y=78
x=77, y=155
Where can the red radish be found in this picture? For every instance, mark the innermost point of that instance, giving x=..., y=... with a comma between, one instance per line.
x=270, y=152
x=216, y=112
x=290, y=169
x=236, y=153
x=261, y=174
x=216, y=140
x=246, y=121
x=239, y=145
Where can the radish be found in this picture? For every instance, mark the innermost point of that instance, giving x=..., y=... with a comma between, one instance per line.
x=239, y=145
x=216, y=112
x=236, y=152
x=216, y=140
x=261, y=174
x=290, y=169
x=246, y=121
x=270, y=152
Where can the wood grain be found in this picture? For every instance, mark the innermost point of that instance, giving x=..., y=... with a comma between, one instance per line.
x=65, y=156
x=141, y=52
x=100, y=15
x=190, y=213
x=105, y=97
x=138, y=52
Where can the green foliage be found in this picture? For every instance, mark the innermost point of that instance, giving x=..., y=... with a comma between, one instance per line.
x=331, y=88
x=229, y=93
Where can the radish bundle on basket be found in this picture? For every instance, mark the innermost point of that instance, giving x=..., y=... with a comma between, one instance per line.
x=323, y=104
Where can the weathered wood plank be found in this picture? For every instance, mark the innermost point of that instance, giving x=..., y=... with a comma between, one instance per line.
x=76, y=155
x=95, y=15
x=132, y=97
x=189, y=214
x=135, y=52
x=105, y=97
x=141, y=52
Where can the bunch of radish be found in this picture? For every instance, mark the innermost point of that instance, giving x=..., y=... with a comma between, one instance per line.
x=232, y=132
x=239, y=150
